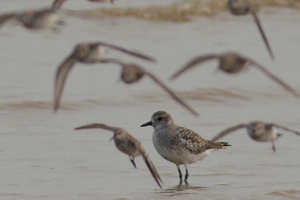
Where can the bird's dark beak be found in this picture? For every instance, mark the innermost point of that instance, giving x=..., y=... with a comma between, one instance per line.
x=113, y=137
x=147, y=124
x=279, y=134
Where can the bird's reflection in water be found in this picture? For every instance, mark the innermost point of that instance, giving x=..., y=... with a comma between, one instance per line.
x=182, y=189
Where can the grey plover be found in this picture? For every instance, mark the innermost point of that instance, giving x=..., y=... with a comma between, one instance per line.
x=258, y=131
x=179, y=145
x=127, y=144
x=233, y=63
x=34, y=19
x=243, y=7
x=88, y=53
x=58, y=3
x=132, y=73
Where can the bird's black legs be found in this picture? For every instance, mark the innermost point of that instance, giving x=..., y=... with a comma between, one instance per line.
x=180, y=174
x=186, y=173
x=132, y=161
x=273, y=147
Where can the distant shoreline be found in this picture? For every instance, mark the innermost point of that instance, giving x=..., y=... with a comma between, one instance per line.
x=183, y=11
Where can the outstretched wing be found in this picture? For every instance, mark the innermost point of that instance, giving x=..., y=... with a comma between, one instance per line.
x=227, y=131
x=132, y=53
x=193, y=63
x=150, y=165
x=111, y=61
x=275, y=78
x=57, y=4
x=95, y=125
x=60, y=78
x=257, y=21
x=286, y=129
x=171, y=93
x=6, y=17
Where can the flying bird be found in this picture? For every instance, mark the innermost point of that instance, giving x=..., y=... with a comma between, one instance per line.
x=233, y=63
x=34, y=19
x=132, y=73
x=258, y=131
x=88, y=53
x=127, y=144
x=243, y=7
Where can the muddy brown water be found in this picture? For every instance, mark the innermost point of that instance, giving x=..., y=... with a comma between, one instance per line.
x=42, y=157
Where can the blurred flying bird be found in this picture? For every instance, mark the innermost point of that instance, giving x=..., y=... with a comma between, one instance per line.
x=127, y=144
x=258, y=131
x=88, y=53
x=233, y=63
x=243, y=7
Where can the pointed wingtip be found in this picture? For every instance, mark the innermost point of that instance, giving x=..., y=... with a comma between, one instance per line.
x=152, y=60
x=197, y=115
x=296, y=94
x=78, y=128
x=55, y=109
x=273, y=57
x=173, y=77
x=192, y=111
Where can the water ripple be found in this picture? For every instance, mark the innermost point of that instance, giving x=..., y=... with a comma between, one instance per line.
x=291, y=194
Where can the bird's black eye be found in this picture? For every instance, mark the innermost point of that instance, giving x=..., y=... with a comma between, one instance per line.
x=159, y=119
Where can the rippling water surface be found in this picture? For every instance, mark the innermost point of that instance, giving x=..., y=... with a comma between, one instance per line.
x=42, y=157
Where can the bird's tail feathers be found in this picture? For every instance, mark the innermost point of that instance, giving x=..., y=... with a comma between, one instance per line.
x=225, y=144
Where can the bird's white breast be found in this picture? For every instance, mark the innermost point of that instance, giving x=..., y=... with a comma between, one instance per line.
x=96, y=54
x=175, y=154
x=48, y=21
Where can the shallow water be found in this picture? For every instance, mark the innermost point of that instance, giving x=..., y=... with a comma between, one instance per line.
x=42, y=157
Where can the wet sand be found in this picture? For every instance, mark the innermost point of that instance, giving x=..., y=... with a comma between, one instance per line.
x=42, y=157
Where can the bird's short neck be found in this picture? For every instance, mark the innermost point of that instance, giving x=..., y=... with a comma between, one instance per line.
x=170, y=128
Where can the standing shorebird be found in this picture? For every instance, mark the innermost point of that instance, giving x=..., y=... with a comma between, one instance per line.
x=58, y=3
x=243, y=7
x=179, y=145
x=132, y=73
x=88, y=53
x=34, y=19
x=233, y=63
x=127, y=144
x=258, y=131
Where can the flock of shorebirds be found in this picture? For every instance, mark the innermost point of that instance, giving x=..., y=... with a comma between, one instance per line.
x=176, y=144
